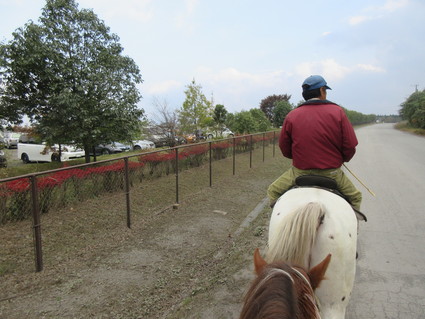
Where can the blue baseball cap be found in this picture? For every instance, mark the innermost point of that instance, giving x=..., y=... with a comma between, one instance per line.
x=315, y=82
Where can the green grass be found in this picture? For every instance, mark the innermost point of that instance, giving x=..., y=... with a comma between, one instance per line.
x=405, y=126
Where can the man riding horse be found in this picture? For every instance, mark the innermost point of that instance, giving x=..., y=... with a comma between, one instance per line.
x=319, y=138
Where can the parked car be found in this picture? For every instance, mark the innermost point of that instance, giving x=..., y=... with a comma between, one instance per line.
x=31, y=152
x=197, y=136
x=190, y=138
x=161, y=140
x=115, y=147
x=226, y=133
x=143, y=145
x=180, y=140
x=11, y=139
x=3, y=160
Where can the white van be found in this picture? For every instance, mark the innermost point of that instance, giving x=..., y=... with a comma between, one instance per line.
x=29, y=152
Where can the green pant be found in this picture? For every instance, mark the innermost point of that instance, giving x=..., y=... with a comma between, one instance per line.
x=287, y=180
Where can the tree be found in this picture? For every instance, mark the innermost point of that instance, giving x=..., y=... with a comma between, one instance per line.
x=268, y=104
x=280, y=111
x=243, y=123
x=262, y=124
x=196, y=110
x=413, y=109
x=219, y=117
x=357, y=118
x=69, y=76
x=166, y=121
x=246, y=122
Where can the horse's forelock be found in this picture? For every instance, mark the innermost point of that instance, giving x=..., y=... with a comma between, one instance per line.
x=271, y=295
x=280, y=292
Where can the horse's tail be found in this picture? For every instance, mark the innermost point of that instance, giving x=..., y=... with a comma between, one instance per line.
x=296, y=235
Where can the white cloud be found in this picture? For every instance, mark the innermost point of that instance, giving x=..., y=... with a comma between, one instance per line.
x=190, y=5
x=232, y=79
x=163, y=87
x=392, y=5
x=325, y=34
x=369, y=67
x=329, y=68
x=377, y=12
x=332, y=70
x=189, y=9
x=358, y=19
x=139, y=10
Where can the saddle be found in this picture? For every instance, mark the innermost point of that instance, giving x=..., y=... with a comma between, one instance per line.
x=325, y=183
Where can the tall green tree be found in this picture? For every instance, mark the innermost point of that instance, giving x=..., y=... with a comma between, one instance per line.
x=243, y=123
x=413, y=109
x=220, y=115
x=196, y=110
x=282, y=108
x=262, y=123
x=268, y=104
x=247, y=122
x=69, y=75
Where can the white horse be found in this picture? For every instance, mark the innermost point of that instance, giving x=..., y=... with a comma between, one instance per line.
x=306, y=225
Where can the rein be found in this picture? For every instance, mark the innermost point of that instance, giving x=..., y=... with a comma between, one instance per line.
x=310, y=296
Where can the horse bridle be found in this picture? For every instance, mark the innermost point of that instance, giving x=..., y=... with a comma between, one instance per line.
x=310, y=296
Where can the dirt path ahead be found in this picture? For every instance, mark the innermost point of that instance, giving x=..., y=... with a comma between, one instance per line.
x=190, y=262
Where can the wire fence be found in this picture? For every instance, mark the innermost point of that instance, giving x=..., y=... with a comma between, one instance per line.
x=31, y=196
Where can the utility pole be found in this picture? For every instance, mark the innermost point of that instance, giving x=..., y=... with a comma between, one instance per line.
x=416, y=87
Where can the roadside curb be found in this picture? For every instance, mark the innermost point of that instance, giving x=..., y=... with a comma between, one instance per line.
x=251, y=216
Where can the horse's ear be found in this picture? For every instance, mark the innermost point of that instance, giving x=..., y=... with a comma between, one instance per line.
x=317, y=273
x=259, y=262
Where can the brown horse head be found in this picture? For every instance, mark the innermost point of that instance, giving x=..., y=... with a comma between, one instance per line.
x=283, y=291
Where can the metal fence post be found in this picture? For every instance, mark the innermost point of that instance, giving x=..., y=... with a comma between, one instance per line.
x=127, y=191
x=210, y=151
x=250, y=152
x=36, y=225
x=177, y=174
x=264, y=146
x=274, y=142
x=234, y=155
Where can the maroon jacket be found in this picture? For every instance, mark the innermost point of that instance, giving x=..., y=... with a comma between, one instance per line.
x=317, y=134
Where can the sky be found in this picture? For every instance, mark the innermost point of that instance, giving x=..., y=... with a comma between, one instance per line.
x=371, y=52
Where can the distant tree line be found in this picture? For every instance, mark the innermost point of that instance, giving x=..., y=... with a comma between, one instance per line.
x=392, y=118
x=357, y=118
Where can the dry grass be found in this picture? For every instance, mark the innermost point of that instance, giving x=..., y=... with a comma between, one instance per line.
x=404, y=126
x=168, y=265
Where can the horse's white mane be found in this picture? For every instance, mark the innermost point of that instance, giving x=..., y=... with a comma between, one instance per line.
x=296, y=235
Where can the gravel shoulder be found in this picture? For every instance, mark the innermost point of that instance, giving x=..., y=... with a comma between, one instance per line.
x=191, y=262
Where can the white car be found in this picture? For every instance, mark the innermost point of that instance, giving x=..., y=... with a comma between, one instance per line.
x=226, y=133
x=11, y=139
x=143, y=145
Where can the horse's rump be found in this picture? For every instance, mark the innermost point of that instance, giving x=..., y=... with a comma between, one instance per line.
x=296, y=234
